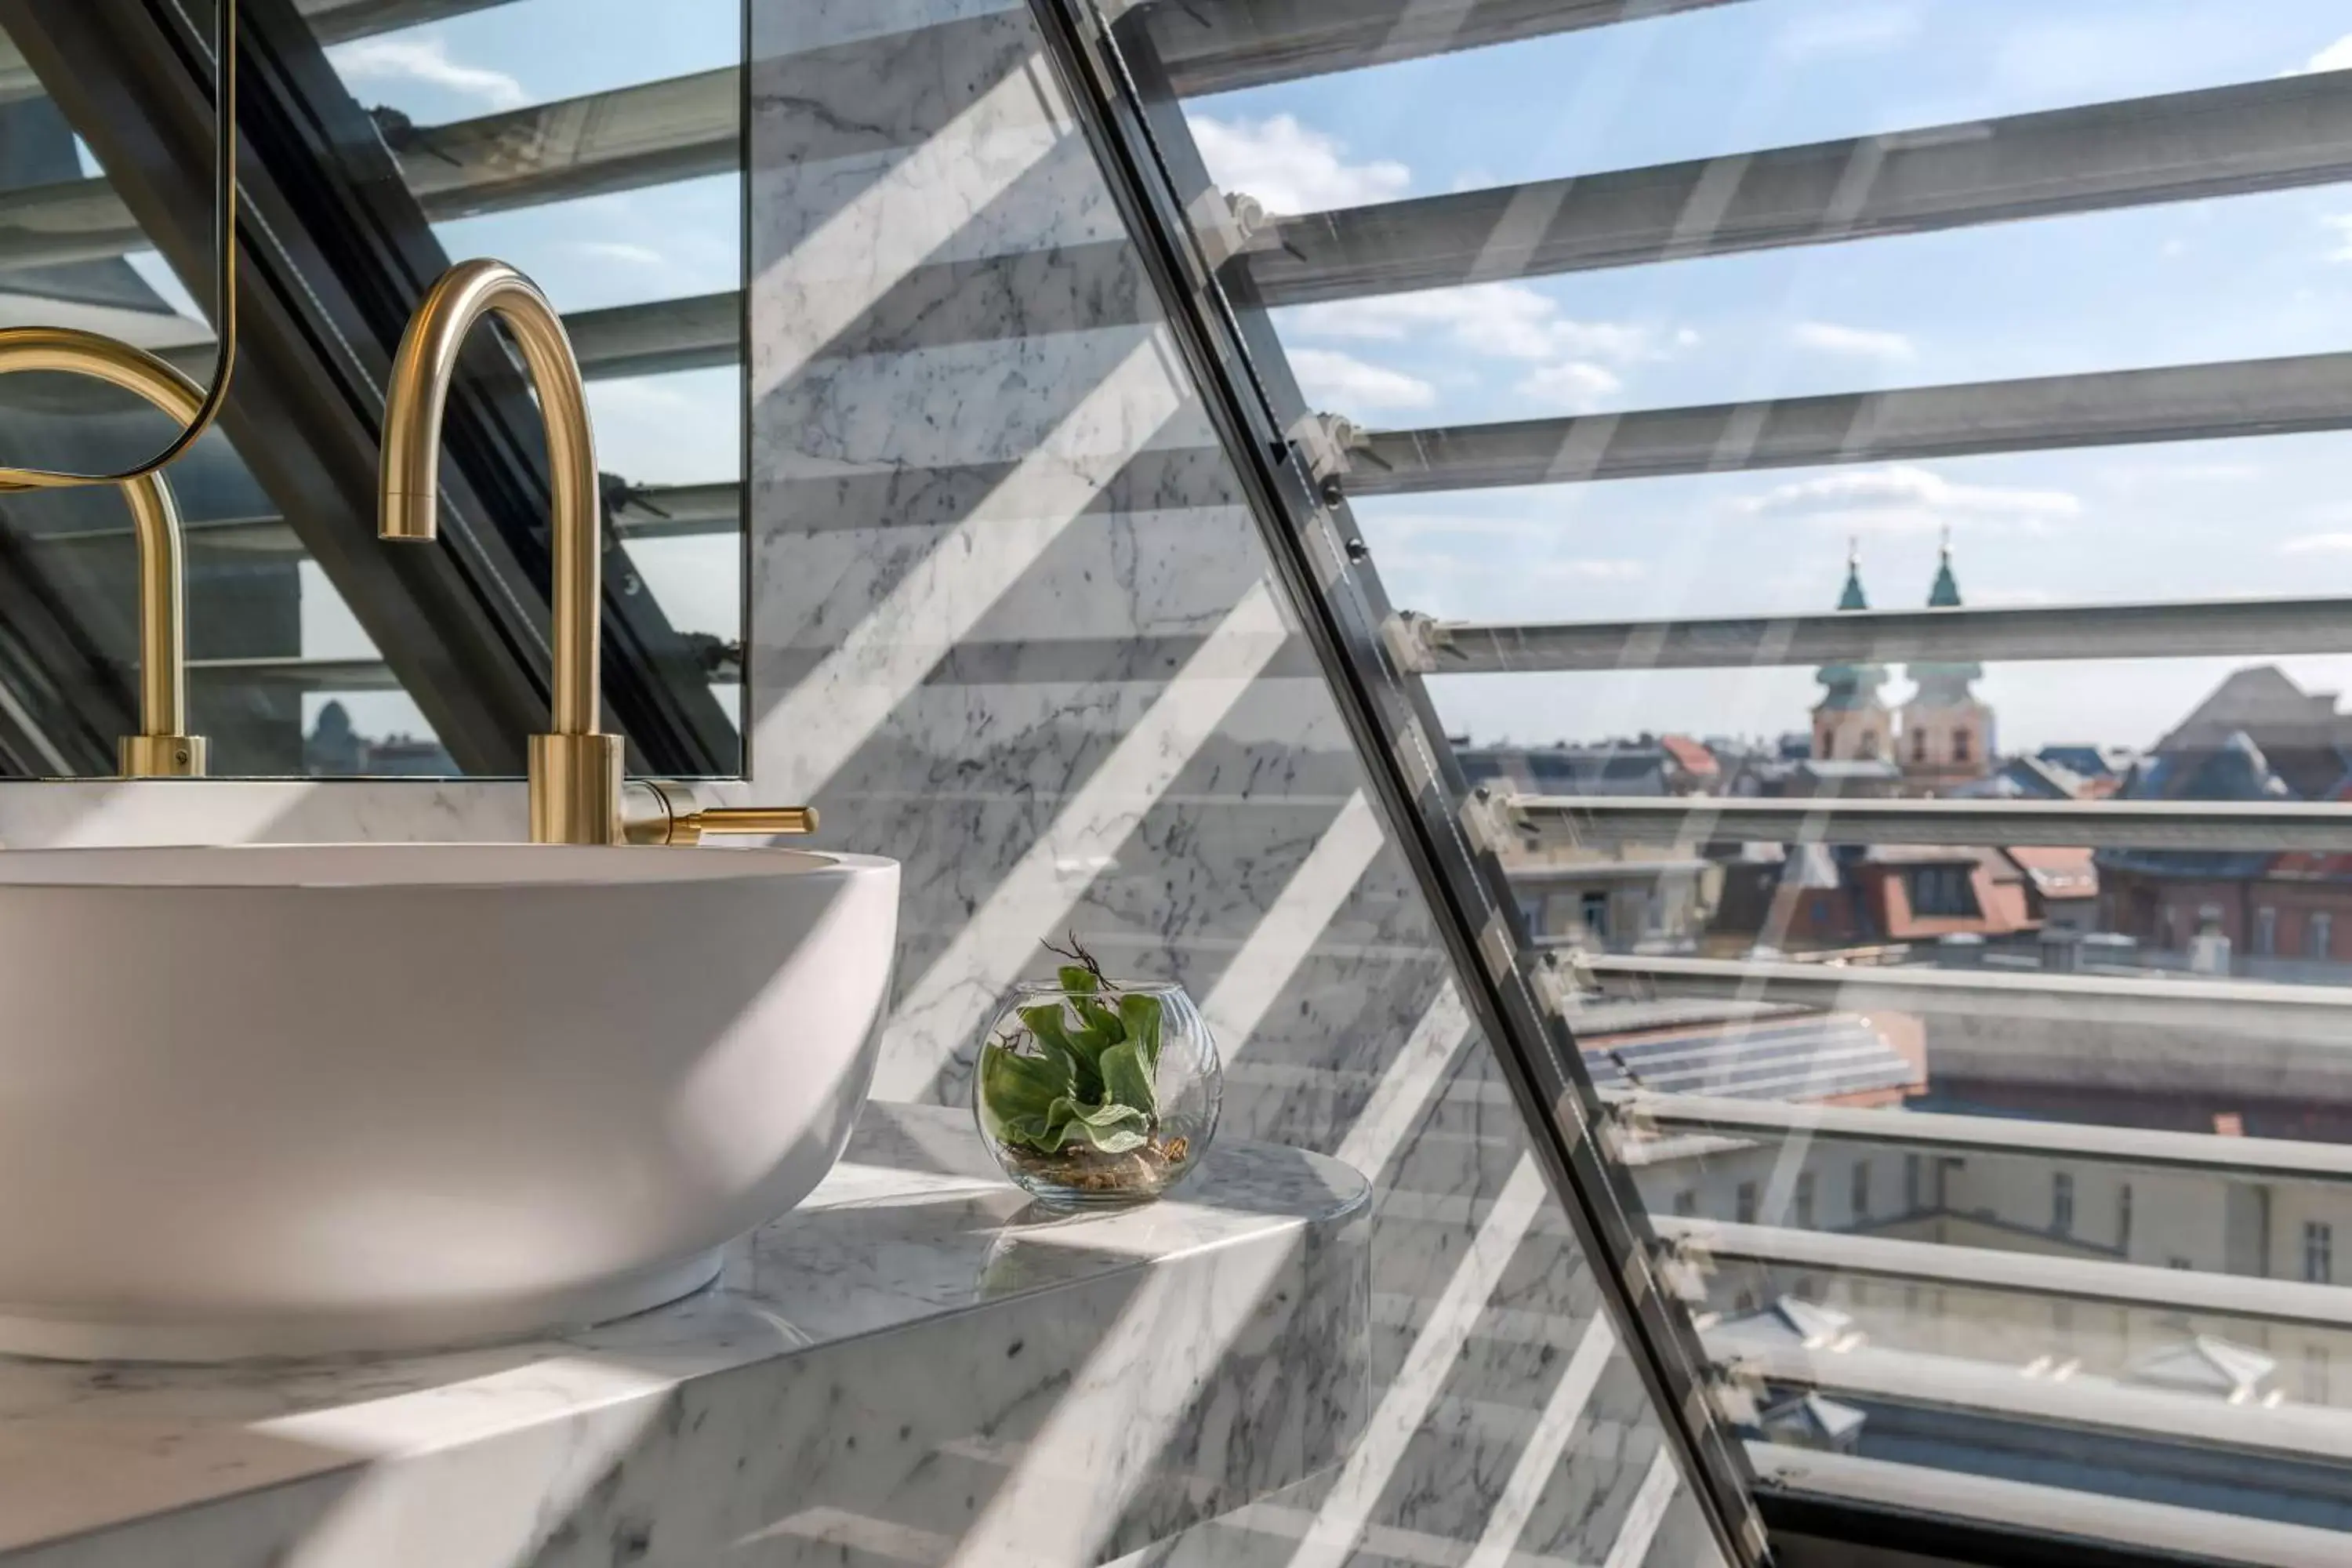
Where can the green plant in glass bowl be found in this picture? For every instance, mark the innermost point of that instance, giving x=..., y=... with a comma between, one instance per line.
x=1093, y=1092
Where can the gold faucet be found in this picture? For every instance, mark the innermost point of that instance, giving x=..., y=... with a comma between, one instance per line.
x=577, y=794
x=162, y=748
x=575, y=770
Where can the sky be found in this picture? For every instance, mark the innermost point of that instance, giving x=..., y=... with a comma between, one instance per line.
x=2210, y=280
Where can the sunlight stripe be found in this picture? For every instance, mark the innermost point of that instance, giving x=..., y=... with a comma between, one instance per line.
x=842, y=268
x=1539, y=1461
x=1406, y=1404
x=997, y=941
x=1648, y=1512
x=816, y=727
x=1292, y=925
x=1401, y=1096
x=1108, y=1433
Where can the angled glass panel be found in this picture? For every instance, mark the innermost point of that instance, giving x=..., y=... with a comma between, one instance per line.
x=1851, y=492
x=1026, y=631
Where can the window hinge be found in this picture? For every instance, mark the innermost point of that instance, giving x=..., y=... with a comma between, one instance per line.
x=1564, y=983
x=1736, y=1390
x=1683, y=1266
x=1226, y=226
x=1623, y=1129
x=1323, y=442
x=1488, y=820
x=1414, y=640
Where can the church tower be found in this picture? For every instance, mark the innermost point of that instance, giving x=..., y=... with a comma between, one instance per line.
x=1850, y=722
x=1948, y=736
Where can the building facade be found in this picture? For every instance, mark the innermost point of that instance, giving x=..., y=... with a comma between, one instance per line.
x=2259, y=737
x=1947, y=729
x=1852, y=722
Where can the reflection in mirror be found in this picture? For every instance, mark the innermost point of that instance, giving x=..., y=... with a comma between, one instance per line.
x=626, y=210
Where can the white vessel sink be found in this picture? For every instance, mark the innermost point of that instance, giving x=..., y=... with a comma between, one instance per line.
x=283, y=1099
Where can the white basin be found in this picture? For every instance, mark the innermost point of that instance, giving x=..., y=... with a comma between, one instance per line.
x=284, y=1099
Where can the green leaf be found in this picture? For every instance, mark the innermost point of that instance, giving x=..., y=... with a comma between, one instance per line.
x=1026, y=1132
x=1127, y=1082
x=1015, y=1087
x=1143, y=1017
x=1101, y=1027
x=1113, y=1129
x=1121, y=1140
x=1046, y=1021
x=1078, y=977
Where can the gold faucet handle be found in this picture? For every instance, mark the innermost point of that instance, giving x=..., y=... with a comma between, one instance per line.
x=763, y=820
x=662, y=813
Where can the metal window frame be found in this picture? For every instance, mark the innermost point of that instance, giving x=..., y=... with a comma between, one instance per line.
x=1239, y=44
x=2223, y=140
x=1830, y=1510
x=1318, y=561
x=2187, y=629
x=2254, y=1160
x=335, y=252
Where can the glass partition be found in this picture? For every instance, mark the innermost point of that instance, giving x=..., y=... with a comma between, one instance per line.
x=1018, y=626
x=1828, y=511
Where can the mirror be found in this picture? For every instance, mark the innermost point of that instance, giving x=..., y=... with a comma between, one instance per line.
x=589, y=143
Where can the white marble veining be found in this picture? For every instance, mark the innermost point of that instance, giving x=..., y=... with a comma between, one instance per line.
x=916, y=1354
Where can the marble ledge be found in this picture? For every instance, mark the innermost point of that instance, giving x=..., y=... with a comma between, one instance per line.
x=916, y=1366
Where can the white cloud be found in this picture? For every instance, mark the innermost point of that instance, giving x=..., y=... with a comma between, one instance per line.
x=1577, y=385
x=1290, y=168
x=1902, y=499
x=1507, y=321
x=424, y=60
x=1591, y=571
x=1852, y=342
x=1344, y=383
x=623, y=251
x=2318, y=545
x=2342, y=224
x=2335, y=56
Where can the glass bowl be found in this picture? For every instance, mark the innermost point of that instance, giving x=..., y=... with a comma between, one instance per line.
x=1097, y=1096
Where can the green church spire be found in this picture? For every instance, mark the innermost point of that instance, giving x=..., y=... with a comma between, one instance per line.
x=1848, y=685
x=1946, y=593
x=1852, y=599
x=1945, y=685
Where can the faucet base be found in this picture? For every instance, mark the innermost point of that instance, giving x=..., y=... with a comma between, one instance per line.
x=161, y=756
x=575, y=789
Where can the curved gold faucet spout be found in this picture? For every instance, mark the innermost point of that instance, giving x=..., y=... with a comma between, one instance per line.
x=162, y=748
x=575, y=771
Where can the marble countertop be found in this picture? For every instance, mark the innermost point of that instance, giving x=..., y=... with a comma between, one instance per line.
x=914, y=1366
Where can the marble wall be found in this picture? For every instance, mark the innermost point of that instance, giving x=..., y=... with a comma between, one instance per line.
x=1013, y=627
